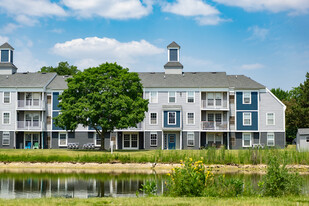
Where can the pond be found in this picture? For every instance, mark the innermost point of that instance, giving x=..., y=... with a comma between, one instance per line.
x=82, y=185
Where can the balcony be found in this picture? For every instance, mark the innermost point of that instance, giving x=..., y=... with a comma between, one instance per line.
x=206, y=125
x=30, y=104
x=29, y=125
x=217, y=105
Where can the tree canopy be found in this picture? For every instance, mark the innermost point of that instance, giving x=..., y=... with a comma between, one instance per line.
x=105, y=98
x=63, y=68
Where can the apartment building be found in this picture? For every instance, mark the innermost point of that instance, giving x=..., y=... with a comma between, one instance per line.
x=187, y=110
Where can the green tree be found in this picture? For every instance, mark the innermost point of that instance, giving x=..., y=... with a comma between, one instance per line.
x=63, y=69
x=105, y=98
x=281, y=94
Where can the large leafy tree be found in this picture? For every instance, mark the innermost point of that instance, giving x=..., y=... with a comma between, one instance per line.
x=105, y=98
x=281, y=94
x=63, y=68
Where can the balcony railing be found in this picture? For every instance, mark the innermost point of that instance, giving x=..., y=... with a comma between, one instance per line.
x=30, y=104
x=29, y=125
x=206, y=125
x=215, y=104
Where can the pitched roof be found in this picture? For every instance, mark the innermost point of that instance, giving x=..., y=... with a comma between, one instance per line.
x=243, y=82
x=173, y=44
x=59, y=82
x=24, y=80
x=303, y=130
x=173, y=64
x=7, y=65
x=6, y=46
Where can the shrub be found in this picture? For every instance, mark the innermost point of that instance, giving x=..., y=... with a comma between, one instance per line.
x=149, y=188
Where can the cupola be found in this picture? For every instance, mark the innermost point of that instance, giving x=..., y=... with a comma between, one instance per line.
x=6, y=59
x=173, y=65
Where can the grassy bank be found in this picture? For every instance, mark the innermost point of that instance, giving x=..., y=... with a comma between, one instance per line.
x=210, y=156
x=302, y=200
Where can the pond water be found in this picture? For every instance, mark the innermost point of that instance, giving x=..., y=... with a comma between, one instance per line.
x=81, y=185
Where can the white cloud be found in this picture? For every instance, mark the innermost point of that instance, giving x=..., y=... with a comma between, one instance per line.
x=25, y=20
x=25, y=61
x=93, y=51
x=114, y=9
x=252, y=66
x=9, y=28
x=3, y=39
x=258, y=33
x=293, y=6
x=57, y=31
x=204, y=14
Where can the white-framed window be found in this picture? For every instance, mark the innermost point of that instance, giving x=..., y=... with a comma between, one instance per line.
x=190, y=118
x=270, y=118
x=153, y=139
x=218, y=99
x=153, y=118
x=153, y=97
x=246, y=98
x=214, y=138
x=6, y=97
x=172, y=97
x=270, y=139
x=130, y=141
x=210, y=99
x=190, y=97
x=307, y=139
x=97, y=139
x=63, y=139
x=6, y=138
x=247, y=119
x=246, y=139
x=6, y=118
x=190, y=139
x=171, y=118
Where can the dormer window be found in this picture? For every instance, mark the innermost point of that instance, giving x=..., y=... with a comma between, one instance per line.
x=4, y=55
x=173, y=55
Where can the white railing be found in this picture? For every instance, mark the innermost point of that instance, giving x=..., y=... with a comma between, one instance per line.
x=207, y=125
x=214, y=105
x=30, y=104
x=29, y=125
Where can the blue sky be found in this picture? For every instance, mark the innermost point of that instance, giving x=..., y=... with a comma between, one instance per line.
x=267, y=40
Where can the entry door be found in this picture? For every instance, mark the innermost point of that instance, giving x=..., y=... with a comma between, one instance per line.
x=171, y=141
x=31, y=139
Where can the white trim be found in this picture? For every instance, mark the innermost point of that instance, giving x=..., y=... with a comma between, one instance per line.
x=188, y=118
x=9, y=138
x=157, y=97
x=243, y=118
x=66, y=135
x=9, y=117
x=130, y=148
x=169, y=56
x=214, y=133
x=188, y=139
x=243, y=145
x=270, y=133
x=243, y=97
x=183, y=89
x=95, y=139
x=156, y=118
x=155, y=133
x=10, y=97
x=168, y=118
x=169, y=96
x=274, y=96
x=274, y=119
x=187, y=96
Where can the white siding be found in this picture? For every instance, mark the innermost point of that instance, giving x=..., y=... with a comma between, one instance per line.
x=11, y=107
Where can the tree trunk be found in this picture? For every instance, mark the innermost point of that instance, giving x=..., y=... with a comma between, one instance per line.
x=102, y=140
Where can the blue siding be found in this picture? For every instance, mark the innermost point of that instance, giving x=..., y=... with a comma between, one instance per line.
x=254, y=119
x=11, y=56
x=177, y=119
x=55, y=101
x=55, y=114
x=252, y=106
x=4, y=55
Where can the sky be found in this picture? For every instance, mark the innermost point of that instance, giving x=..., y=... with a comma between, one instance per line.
x=266, y=40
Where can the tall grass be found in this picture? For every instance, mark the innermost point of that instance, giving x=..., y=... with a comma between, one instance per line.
x=209, y=156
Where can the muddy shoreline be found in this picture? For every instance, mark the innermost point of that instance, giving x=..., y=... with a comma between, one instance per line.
x=146, y=168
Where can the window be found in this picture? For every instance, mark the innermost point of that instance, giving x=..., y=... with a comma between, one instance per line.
x=214, y=138
x=171, y=97
x=210, y=117
x=126, y=140
x=153, y=139
x=190, y=97
x=210, y=99
x=172, y=118
x=218, y=99
x=36, y=99
x=153, y=97
x=270, y=139
x=246, y=119
x=218, y=117
x=190, y=118
x=190, y=138
x=4, y=55
x=130, y=141
x=97, y=139
x=6, y=97
x=6, y=138
x=63, y=140
x=246, y=139
x=153, y=118
x=307, y=139
x=6, y=118
x=270, y=119
x=173, y=55
x=247, y=98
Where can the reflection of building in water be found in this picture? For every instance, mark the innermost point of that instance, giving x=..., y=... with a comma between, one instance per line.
x=71, y=187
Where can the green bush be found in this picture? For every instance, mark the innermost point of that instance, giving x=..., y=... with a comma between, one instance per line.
x=149, y=188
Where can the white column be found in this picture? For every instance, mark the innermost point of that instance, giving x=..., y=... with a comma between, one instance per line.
x=116, y=139
x=162, y=140
x=180, y=140
x=228, y=140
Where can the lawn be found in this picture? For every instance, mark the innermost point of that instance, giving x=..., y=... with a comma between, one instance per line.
x=301, y=200
x=209, y=156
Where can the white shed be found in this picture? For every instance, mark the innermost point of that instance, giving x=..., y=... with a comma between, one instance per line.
x=302, y=139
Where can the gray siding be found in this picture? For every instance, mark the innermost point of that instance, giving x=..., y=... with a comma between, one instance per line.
x=10, y=107
x=302, y=143
x=279, y=139
x=147, y=141
x=185, y=142
x=11, y=146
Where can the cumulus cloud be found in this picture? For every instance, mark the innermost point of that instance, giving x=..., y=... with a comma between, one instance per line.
x=203, y=13
x=93, y=51
x=26, y=61
x=292, y=6
x=258, y=33
x=3, y=39
x=114, y=9
x=252, y=66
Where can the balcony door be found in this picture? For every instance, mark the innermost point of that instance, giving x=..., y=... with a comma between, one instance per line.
x=32, y=99
x=32, y=140
x=32, y=120
x=214, y=139
x=214, y=119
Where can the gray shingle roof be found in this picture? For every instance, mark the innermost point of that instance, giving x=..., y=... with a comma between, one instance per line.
x=7, y=65
x=23, y=80
x=173, y=44
x=173, y=64
x=6, y=46
x=243, y=82
x=59, y=83
x=303, y=130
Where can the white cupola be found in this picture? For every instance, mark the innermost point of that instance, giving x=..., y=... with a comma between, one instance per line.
x=6, y=59
x=173, y=65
